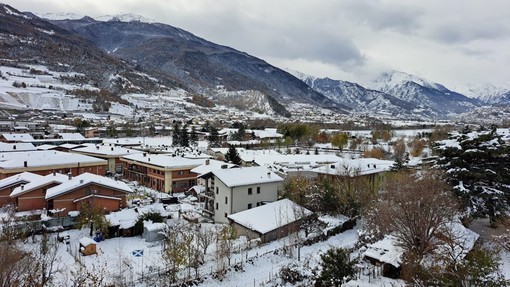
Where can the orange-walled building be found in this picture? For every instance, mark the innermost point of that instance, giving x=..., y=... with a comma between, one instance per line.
x=32, y=196
x=7, y=185
x=106, y=193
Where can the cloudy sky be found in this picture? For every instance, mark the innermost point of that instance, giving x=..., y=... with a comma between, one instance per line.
x=455, y=42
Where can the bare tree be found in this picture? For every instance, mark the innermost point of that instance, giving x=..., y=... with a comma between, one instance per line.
x=413, y=208
x=15, y=265
x=224, y=248
x=205, y=237
x=174, y=252
x=47, y=262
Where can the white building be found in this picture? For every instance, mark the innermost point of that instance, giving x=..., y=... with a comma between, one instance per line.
x=239, y=189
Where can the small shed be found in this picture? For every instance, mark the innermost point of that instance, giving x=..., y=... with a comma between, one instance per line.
x=87, y=246
x=270, y=221
x=387, y=254
x=153, y=231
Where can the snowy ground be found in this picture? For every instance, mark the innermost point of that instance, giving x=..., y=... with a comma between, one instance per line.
x=260, y=263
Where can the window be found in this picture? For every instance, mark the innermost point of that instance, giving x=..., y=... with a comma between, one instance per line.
x=216, y=206
x=249, y=205
x=226, y=214
x=258, y=203
x=258, y=189
x=226, y=200
x=217, y=190
x=249, y=191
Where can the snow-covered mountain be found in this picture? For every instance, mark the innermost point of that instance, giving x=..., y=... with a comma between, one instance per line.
x=487, y=93
x=125, y=17
x=358, y=98
x=423, y=93
x=59, y=16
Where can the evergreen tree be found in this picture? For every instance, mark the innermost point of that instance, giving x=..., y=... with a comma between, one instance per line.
x=193, y=137
x=337, y=268
x=478, y=166
x=232, y=155
x=184, y=136
x=214, y=139
x=176, y=135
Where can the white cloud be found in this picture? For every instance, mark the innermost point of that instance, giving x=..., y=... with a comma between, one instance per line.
x=452, y=42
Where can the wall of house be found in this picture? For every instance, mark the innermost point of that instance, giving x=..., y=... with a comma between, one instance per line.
x=238, y=198
x=243, y=231
x=5, y=197
x=221, y=207
x=34, y=199
x=66, y=200
x=183, y=180
x=280, y=232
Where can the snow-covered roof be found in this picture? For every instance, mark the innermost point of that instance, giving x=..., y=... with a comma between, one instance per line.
x=355, y=167
x=6, y=147
x=154, y=226
x=125, y=218
x=269, y=157
x=246, y=176
x=12, y=160
x=211, y=165
x=463, y=240
x=24, y=177
x=386, y=250
x=224, y=150
x=138, y=141
x=37, y=183
x=198, y=188
x=104, y=150
x=71, y=136
x=46, y=147
x=271, y=216
x=86, y=241
x=165, y=161
x=70, y=146
x=17, y=137
x=83, y=180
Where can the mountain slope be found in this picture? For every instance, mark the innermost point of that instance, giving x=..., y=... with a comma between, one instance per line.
x=198, y=64
x=25, y=38
x=425, y=94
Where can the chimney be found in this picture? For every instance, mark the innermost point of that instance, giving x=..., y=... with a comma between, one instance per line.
x=69, y=175
x=97, y=147
x=269, y=174
x=144, y=154
x=25, y=163
x=54, y=173
x=375, y=166
x=112, y=148
x=149, y=159
x=207, y=162
x=22, y=187
x=14, y=147
x=81, y=181
x=332, y=166
x=224, y=166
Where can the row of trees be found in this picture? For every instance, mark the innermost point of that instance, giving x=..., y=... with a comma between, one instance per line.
x=181, y=136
